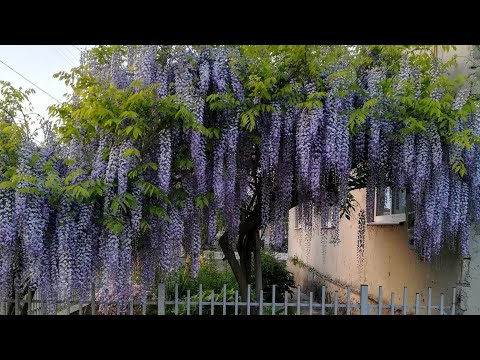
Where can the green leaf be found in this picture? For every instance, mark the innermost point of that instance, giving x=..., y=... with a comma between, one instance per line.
x=131, y=151
x=136, y=132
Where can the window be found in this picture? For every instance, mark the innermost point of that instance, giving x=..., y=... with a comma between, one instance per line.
x=390, y=205
x=329, y=224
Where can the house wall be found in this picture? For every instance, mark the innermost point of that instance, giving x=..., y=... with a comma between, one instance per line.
x=387, y=258
x=470, y=289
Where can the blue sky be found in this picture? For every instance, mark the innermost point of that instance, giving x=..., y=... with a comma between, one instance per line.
x=38, y=63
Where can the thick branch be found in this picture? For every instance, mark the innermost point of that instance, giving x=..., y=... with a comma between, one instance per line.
x=229, y=253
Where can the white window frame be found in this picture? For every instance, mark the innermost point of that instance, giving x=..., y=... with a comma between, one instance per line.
x=392, y=219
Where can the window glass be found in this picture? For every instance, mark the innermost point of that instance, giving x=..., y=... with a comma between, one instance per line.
x=390, y=202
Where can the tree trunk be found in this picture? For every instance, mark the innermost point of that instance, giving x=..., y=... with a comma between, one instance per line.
x=246, y=245
x=235, y=265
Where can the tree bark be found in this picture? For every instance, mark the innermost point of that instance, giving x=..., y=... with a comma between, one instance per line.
x=229, y=253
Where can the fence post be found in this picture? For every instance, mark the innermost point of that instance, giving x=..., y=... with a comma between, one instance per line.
x=260, y=303
x=212, y=304
x=405, y=301
x=380, y=300
x=29, y=302
x=429, y=301
x=236, y=302
x=364, y=307
x=323, y=299
x=176, y=298
x=200, y=299
x=335, y=303
x=248, y=298
x=17, y=303
x=92, y=295
x=224, y=299
x=273, y=299
x=348, y=300
x=392, y=304
x=441, y=304
x=454, y=295
x=310, y=310
x=44, y=306
x=298, y=300
x=161, y=299
x=417, y=304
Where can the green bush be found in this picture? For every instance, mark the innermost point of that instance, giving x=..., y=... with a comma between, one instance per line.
x=213, y=275
x=275, y=272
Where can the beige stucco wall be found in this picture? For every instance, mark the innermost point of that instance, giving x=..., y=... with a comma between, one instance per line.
x=388, y=260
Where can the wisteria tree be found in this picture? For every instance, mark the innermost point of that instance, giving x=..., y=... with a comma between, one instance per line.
x=164, y=150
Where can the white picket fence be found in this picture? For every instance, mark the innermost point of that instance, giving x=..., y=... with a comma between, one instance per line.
x=35, y=306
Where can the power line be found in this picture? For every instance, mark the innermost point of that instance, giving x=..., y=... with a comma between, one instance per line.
x=65, y=57
x=38, y=87
x=77, y=48
x=73, y=55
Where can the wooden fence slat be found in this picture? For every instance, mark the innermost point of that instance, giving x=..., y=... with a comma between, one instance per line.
x=405, y=300
x=285, y=308
x=188, y=302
